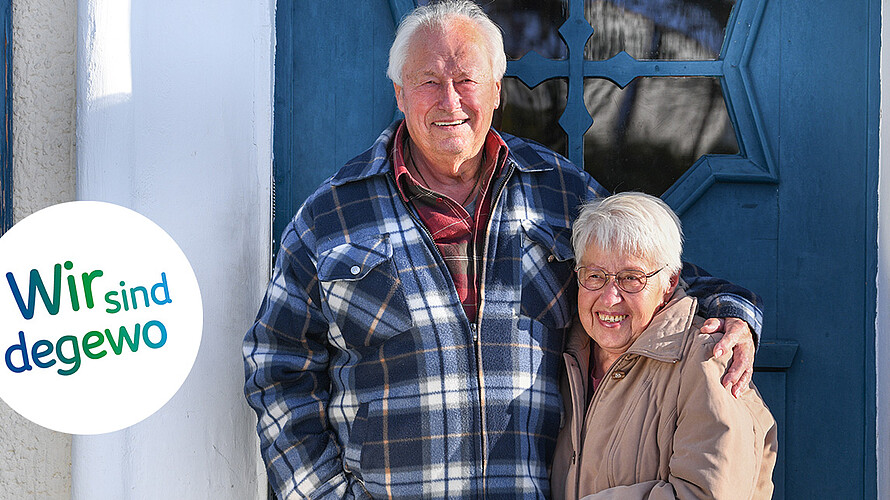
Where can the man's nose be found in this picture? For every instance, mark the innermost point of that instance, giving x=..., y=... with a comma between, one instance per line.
x=449, y=99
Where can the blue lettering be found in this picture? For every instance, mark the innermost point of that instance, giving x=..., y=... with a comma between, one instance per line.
x=18, y=347
x=34, y=286
x=161, y=327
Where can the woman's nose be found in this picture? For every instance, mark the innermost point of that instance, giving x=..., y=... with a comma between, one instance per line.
x=610, y=293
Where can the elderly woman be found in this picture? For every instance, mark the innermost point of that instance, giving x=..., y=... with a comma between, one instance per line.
x=646, y=414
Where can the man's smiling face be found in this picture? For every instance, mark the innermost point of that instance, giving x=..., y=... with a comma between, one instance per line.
x=448, y=94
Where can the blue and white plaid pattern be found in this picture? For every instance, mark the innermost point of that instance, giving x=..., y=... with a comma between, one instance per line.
x=367, y=377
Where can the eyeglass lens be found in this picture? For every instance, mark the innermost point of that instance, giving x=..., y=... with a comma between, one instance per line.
x=629, y=280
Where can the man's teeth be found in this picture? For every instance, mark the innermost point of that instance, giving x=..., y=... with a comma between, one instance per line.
x=446, y=124
x=611, y=318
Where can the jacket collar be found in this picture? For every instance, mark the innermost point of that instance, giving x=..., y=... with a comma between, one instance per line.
x=663, y=340
x=665, y=337
x=377, y=160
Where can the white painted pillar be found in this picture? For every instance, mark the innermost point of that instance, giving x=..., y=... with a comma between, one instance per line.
x=174, y=120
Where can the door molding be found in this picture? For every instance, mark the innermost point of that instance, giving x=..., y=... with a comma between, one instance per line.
x=6, y=141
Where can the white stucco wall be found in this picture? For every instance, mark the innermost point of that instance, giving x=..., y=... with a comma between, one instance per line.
x=174, y=120
x=35, y=462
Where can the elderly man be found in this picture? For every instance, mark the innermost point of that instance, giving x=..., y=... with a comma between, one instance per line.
x=409, y=342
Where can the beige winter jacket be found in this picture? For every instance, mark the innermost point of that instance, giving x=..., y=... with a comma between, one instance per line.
x=660, y=424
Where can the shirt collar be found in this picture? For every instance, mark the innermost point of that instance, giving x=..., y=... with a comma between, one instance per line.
x=523, y=155
x=496, y=151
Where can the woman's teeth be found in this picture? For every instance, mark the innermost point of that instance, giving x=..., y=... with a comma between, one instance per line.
x=611, y=318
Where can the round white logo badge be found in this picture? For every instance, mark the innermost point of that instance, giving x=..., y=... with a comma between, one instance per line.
x=100, y=317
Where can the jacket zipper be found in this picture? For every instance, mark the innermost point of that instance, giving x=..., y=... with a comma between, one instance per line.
x=495, y=199
x=593, y=400
x=474, y=326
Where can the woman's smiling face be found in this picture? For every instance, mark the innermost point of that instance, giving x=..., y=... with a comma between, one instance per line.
x=613, y=318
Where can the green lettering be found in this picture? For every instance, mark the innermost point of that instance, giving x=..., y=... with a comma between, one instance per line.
x=73, y=360
x=123, y=336
x=89, y=345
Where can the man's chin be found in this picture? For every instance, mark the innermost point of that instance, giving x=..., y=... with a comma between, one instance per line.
x=455, y=146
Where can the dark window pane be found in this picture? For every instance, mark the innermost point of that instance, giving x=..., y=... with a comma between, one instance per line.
x=533, y=113
x=530, y=25
x=657, y=29
x=644, y=137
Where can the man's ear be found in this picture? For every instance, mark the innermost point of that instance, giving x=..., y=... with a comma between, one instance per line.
x=497, y=102
x=398, y=91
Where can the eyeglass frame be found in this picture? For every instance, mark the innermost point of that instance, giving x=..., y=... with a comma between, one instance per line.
x=610, y=276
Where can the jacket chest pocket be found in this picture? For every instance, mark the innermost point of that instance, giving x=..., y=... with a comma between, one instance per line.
x=362, y=292
x=547, y=274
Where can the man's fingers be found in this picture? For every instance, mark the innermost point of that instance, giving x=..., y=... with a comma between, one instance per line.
x=738, y=376
x=737, y=338
x=712, y=325
x=743, y=384
x=734, y=374
x=735, y=332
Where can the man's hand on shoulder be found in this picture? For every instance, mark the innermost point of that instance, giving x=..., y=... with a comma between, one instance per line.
x=737, y=337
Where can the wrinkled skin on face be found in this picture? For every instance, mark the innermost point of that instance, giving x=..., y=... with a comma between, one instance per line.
x=613, y=318
x=448, y=95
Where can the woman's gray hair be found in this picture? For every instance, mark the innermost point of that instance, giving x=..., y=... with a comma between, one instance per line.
x=633, y=224
x=437, y=15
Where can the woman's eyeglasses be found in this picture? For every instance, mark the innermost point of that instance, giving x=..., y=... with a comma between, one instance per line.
x=628, y=280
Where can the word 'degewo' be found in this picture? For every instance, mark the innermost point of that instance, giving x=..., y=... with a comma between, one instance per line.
x=68, y=348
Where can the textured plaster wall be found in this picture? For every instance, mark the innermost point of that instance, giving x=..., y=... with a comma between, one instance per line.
x=35, y=462
x=43, y=103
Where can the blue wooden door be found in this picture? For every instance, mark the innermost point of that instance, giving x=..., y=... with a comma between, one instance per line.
x=6, y=135
x=755, y=119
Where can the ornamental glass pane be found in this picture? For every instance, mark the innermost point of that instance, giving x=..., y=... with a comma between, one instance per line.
x=645, y=136
x=657, y=29
x=533, y=113
x=528, y=25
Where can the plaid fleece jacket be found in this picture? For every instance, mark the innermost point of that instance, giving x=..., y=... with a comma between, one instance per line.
x=367, y=377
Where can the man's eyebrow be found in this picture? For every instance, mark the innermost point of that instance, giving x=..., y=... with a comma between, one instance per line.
x=459, y=73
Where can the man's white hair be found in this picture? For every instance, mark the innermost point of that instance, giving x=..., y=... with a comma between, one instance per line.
x=438, y=15
x=630, y=223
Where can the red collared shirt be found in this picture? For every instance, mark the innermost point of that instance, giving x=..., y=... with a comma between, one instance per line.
x=459, y=236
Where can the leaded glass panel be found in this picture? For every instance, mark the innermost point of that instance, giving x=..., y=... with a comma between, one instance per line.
x=645, y=136
x=657, y=29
